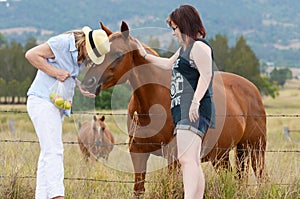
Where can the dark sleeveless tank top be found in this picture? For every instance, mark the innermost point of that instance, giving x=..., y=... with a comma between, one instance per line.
x=184, y=82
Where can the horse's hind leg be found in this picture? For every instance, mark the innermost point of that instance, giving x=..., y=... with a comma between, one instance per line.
x=242, y=160
x=220, y=160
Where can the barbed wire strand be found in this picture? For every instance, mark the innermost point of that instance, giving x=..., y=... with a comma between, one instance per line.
x=117, y=181
x=126, y=114
x=158, y=144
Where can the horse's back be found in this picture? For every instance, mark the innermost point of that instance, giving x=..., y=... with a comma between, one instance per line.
x=85, y=131
x=249, y=102
x=244, y=91
x=244, y=104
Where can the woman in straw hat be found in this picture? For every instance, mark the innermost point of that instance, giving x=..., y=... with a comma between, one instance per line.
x=61, y=58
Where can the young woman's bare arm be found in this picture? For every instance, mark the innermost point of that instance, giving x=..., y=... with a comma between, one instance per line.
x=164, y=63
x=201, y=54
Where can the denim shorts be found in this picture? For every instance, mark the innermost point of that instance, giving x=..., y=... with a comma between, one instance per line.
x=199, y=127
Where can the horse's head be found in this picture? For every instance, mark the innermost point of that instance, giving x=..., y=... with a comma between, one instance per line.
x=102, y=123
x=122, y=57
x=98, y=124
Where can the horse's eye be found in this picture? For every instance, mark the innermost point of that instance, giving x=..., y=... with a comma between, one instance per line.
x=117, y=55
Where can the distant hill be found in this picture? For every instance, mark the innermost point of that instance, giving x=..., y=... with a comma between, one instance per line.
x=271, y=27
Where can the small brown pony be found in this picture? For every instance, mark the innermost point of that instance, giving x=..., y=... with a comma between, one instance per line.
x=241, y=117
x=95, y=139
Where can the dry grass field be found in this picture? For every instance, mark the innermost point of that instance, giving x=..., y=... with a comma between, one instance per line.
x=113, y=178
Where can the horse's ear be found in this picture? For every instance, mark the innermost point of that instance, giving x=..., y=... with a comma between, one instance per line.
x=108, y=32
x=125, y=29
x=95, y=118
x=102, y=118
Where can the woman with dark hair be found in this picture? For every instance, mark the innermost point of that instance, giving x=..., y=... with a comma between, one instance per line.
x=191, y=93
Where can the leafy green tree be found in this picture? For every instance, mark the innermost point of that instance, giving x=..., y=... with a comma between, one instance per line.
x=267, y=88
x=15, y=69
x=82, y=103
x=116, y=97
x=221, y=51
x=3, y=90
x=31, y=42
x=13, y=89
x=23, y=88
x=2, y=40
x=104, y=100
x=243, y=61
x=281, y=75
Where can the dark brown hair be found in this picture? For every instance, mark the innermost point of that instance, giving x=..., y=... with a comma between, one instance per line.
x=188, y=20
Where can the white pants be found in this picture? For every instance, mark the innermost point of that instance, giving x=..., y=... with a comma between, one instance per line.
x=47, y=121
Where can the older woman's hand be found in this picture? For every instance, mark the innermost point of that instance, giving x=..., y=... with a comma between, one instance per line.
x=83, y=91
x=62, y=75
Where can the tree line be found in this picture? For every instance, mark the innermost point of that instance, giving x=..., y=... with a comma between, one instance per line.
x=239, y=59
x=17, y=73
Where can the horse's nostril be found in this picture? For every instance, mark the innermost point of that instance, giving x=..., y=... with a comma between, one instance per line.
x=90, y=82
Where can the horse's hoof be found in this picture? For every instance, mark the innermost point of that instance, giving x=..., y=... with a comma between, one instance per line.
x=139, y=196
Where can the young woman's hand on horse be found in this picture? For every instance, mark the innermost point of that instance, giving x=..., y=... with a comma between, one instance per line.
x=193, y=113
x=141, y=48
x=161, y=62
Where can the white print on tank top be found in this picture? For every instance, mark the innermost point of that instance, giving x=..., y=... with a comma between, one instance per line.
x=176, y=85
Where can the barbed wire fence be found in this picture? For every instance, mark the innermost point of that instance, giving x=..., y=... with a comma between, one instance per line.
x=12, y=130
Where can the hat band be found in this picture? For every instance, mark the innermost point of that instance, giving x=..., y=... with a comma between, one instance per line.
x=93, y=44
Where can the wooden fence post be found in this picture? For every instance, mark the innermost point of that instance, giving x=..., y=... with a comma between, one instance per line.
x=286, y=133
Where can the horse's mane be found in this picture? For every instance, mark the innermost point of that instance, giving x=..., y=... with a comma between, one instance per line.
x=116, y=35
x=150, y=50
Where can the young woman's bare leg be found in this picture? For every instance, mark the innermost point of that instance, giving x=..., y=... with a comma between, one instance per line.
x=189, y=148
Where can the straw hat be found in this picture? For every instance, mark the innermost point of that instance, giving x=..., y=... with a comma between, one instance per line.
x=97, y=44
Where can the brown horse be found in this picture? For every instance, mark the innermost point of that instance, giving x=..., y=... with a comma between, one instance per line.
x=241, y=120
x=95, y=138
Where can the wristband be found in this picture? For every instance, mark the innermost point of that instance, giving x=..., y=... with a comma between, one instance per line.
x=145, y=56
x=193, y=101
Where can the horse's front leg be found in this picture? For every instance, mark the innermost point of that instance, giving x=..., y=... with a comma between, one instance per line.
x=139, y=161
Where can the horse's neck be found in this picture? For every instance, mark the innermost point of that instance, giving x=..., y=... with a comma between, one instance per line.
x=148, y=82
